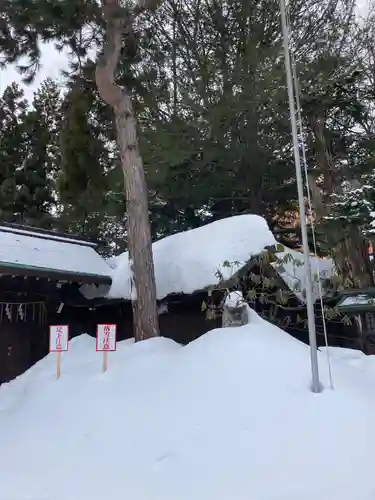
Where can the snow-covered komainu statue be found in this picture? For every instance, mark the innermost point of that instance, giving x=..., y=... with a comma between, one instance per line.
x=235, y=310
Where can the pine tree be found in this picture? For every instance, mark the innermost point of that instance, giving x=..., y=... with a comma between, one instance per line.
x=66, y=22
x=355, y=205
x=26, y=192
x=208, y=87
x=340, y=153
x=82, y=182
x=12, y=113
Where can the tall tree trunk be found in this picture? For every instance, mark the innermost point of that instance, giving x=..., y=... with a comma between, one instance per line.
x=119, y=23
x=350, y=250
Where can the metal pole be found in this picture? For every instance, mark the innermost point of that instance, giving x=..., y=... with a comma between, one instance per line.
x=316, y=385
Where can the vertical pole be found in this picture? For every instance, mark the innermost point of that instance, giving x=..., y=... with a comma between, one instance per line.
x=315, y=385
x=105, y=361
x=58, y=368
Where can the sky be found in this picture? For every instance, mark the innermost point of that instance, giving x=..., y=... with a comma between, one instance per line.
x=51, y=65
x=53, y=62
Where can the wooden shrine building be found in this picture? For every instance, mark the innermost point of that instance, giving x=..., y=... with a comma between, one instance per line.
x=41, y=273
x=49, y=278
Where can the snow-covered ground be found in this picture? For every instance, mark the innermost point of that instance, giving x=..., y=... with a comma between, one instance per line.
x=356, y=359
x=228, y=417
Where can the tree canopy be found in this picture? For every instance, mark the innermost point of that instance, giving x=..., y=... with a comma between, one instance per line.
x=208, y=85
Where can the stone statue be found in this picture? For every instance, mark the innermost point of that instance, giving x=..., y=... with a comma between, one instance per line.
x=235, y=310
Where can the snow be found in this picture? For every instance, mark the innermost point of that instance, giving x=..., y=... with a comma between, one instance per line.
x=195, y=260
x=359, y=360
x=292, y=270
x=234, y=299
x=229, y=416
x=362, y=299
x=45, y=236
x=31, y=249
x=190, y=261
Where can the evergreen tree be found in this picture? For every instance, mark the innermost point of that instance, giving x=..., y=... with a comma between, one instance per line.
x=220, y=144
x=341, y=149
x=355, y=206
x=12, y=112
x=26, y=189
x=209, y=90
x=82, y=183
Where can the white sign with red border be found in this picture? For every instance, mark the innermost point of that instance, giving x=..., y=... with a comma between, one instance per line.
x=58, y=338
x=106, y=337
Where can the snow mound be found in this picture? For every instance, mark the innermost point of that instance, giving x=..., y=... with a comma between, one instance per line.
x=189, y=261
x=357, y=359
x=227, y=417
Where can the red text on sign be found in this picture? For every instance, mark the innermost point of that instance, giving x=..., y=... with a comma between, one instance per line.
x=106, y=333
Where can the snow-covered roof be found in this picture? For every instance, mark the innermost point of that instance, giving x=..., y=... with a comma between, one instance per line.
x=292, y=270
x=189, y=261
x=36, y=251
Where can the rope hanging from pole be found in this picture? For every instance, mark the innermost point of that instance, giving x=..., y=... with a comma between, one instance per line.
x=305, y=168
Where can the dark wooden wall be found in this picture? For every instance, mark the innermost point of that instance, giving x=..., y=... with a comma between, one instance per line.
x=25, y=341
x=22, y=344
x=183, y=323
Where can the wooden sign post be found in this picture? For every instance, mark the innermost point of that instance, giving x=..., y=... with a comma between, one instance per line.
x=58, y=342
x=106, y=341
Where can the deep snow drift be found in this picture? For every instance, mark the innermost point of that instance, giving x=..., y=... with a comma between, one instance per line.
x=228, y=417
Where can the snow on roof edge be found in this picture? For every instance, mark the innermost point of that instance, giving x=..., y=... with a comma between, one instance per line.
x=24, y=251
x=47, y=236
x=40, y=271
x=294, y=276
x=239, y=239
x=190, y=261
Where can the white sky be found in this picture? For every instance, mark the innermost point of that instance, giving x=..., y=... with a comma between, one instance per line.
x=51, y=65
x=53, y=62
